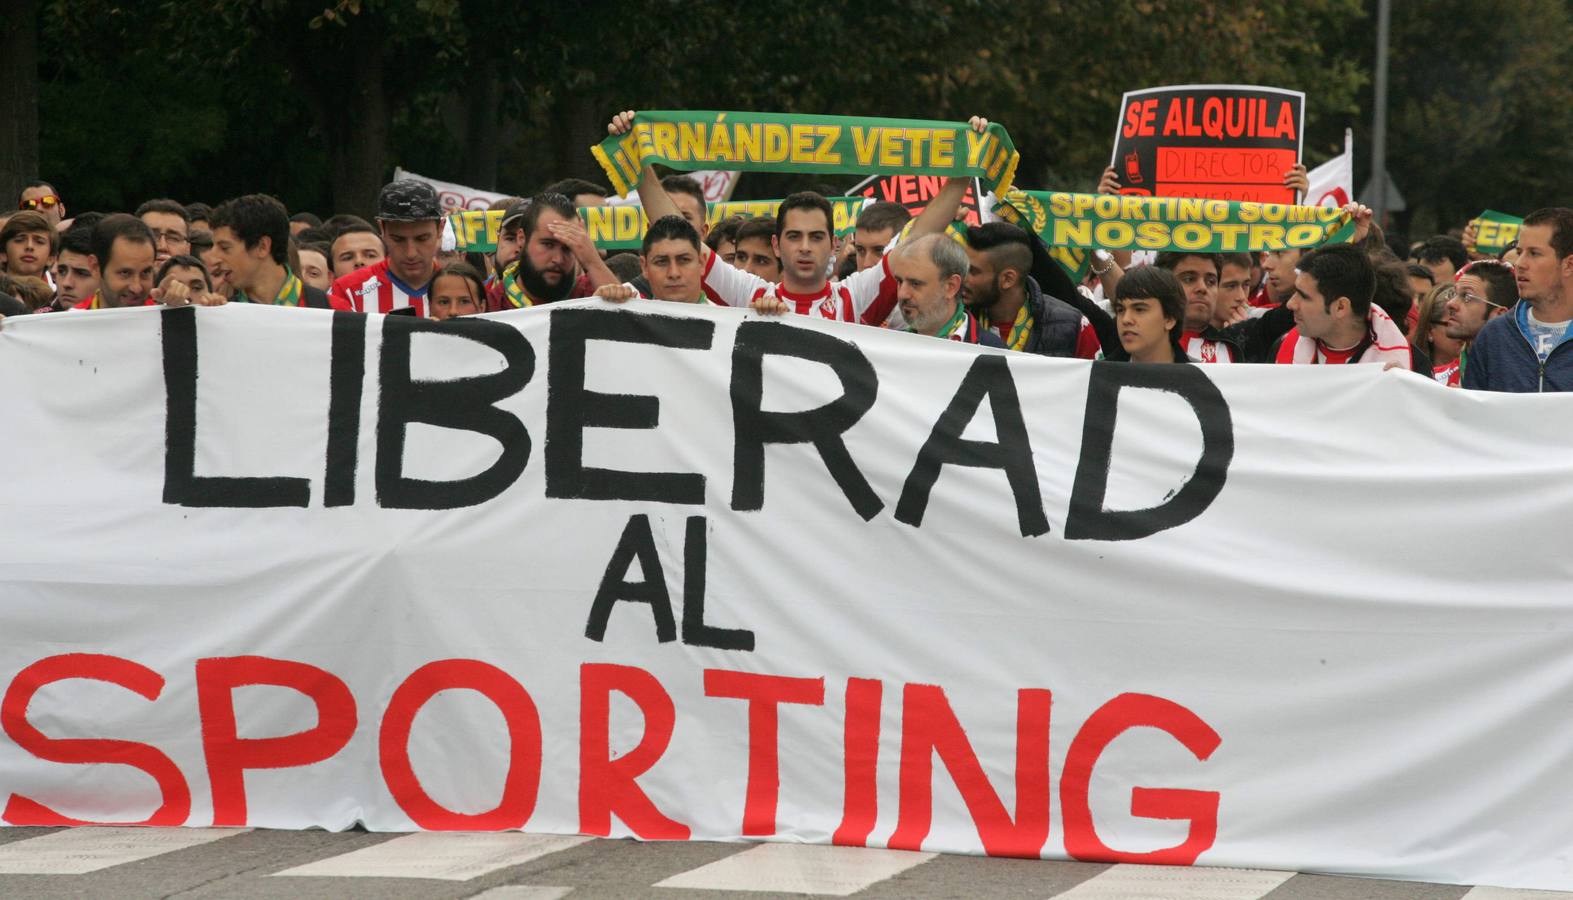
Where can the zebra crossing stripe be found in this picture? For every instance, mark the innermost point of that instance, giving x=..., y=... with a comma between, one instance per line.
x=799, y=869
x=77, y=851
x=1499, y=893
x=445, y=855
x=1135, y=882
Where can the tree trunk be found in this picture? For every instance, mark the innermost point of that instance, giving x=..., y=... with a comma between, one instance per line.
x=358, y=129
x=18, y=97
x=578, y=122
x=481, y=131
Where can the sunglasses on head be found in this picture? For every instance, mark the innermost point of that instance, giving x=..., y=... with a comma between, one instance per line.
x=48, y=201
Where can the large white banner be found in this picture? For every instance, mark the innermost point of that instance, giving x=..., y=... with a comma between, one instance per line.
x=690, y=573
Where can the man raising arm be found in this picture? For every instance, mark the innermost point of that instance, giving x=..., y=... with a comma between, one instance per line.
x=804, y=243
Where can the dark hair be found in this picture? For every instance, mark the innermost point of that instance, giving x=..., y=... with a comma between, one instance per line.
x=350, y=225
x=315, y=247
x=669, y=228
x=624, y=265
x=118, y=226
x=1499, y=279
x=1154, y=283
x=1560, y=218
x=1391, y=291
x=29, y=222
x=682, y=184
x=1398, y=244
x=1170, y=259
x=254, y=217
x=316, y=235
x=164, y=205
x=33, y=184
x=1238, y=260
x=573, y=187
x=87, y=219
x=78, y=239
x=1007, y=246
x=470, y=274
x=1442, y=247
x=200, y=239
x=183, y=259
x=724, y=230
x=343, y=223
x=309, y=218
x=805, y=200
x=1342, y=270
x=883, y=216
x=1416, y=270
x=757, y=227
x=198, y=212
x=557, y=203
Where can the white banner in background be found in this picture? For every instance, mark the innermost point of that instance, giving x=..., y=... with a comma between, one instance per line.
x=454, y=197
x=1333, y=182
x=690, y=573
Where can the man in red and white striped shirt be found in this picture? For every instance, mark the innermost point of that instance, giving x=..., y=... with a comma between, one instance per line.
x=411, y=222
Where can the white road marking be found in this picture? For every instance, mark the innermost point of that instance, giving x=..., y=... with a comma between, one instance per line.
x=447, y=855
x=799, y=869
x=76, y=851
x=1481, y=892
x=1134, y=882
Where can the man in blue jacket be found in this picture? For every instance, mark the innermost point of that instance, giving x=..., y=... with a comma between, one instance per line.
x=1527, y=350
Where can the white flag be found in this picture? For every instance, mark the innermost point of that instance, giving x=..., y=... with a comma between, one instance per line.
x=1333, y=182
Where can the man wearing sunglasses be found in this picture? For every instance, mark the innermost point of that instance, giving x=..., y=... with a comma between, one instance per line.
x=41, y=197
x=1485, y=289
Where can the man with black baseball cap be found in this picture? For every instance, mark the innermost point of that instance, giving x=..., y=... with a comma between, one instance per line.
x=410, y=219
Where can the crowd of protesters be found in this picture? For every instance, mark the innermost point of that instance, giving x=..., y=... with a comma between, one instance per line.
x=1435, y=306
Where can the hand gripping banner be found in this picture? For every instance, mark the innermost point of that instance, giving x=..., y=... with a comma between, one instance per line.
x=780, y=142
x=1129, y=222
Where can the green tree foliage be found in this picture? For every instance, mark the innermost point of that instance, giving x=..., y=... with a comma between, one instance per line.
x=316, y=100
x=1481, y=109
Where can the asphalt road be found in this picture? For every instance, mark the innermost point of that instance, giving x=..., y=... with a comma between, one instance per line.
x=195, y=863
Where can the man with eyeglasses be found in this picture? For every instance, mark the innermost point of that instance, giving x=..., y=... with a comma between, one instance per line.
x=171, y=226
x=41, y=197
x=1483, y=290
x=1528, y=351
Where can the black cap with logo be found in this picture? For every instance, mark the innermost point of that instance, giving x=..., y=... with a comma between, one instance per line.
x=408, y=200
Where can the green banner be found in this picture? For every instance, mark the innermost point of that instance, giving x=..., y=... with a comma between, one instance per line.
x=623, y=227
x=1129, y=222
x=1494, y=231
x=778, y=142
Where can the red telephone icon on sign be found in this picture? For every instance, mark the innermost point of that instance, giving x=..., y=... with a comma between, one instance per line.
x=1133, y=169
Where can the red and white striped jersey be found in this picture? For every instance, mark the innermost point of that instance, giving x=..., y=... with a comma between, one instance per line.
x=868, y=297
x=374, y=289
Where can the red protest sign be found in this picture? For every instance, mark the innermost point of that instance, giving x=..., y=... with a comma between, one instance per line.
x=1227, y=142
x=915, y=192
